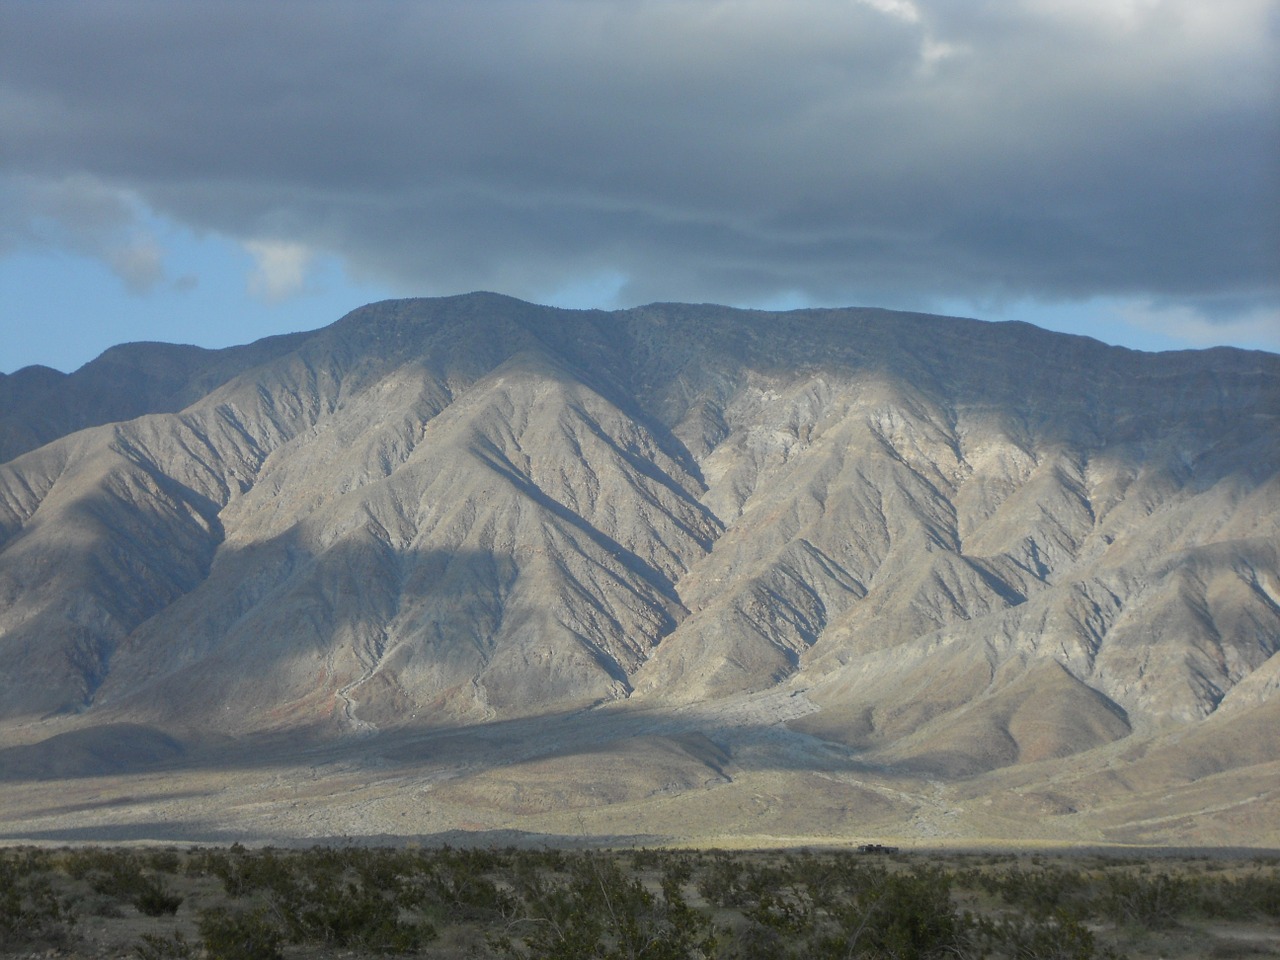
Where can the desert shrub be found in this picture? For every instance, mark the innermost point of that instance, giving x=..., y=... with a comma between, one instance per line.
x=157, y=947
x=721, y=881
x=30, y=910
x=600, y=911
x=1240, y=899
x=349, y=915
x=243, y=873
x=646, y=859
x=78, y=864
x=1045, y=891
x=1056, y=937
x=113, y=873
x=240, y=935
x=118, y=874
x=777, y=898
x=164, y=861
x=459, y=883
x=345, y=897
x=677, y=870
x=100, y=906
x=757, y=943
x=786, y=913
x=1264, y=894
x=838, y=907
x=151, y=898
x=533, y=904
x=1153, y=901
x=197, y=863
x=905, y=915
x=232, y=866
x=549, y=858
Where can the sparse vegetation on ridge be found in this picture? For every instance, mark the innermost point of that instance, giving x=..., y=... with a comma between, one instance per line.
x=521, y=904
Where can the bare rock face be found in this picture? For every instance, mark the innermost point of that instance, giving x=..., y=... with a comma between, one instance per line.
x=968, y=547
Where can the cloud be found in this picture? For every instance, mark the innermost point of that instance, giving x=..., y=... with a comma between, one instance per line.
x=1258, y=328
x=891, y=151
x=81, y=215
x=903, y=9
x=139, y=264
x=280, y=269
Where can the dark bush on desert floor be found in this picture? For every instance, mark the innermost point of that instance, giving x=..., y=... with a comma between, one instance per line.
x=350, y=901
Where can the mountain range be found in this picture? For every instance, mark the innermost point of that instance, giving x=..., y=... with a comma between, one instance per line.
x=680, y=572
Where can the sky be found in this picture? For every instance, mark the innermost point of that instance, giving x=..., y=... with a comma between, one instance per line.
x=212, y=173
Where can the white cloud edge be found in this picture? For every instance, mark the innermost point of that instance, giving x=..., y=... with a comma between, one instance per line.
x=1259, y=328
x=281, y=269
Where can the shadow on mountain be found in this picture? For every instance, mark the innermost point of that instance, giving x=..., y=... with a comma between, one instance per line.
x=616, y=752
x=111, y=749
x=39, y=404
x=160, y=831
x=195, y=664
x=124, y=749
x=198, y=832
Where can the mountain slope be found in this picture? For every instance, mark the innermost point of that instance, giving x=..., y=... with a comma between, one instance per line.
x=39, y=404
x=960, y=547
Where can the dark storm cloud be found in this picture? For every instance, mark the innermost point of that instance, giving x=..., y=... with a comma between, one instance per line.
x=845, y=151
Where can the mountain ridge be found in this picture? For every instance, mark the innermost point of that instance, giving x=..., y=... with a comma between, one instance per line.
x=954, y=556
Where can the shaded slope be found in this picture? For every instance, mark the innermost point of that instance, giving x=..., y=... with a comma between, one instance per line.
x=38, y=404
x=484, y=573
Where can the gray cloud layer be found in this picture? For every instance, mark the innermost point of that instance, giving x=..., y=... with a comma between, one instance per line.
x=844, y=150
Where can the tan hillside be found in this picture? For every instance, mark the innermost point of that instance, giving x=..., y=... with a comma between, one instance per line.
x=678, y=571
